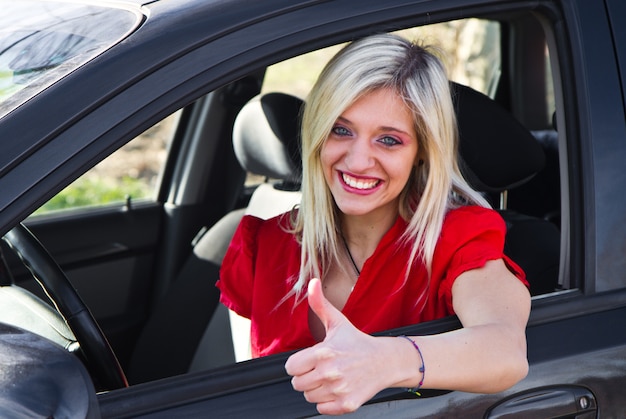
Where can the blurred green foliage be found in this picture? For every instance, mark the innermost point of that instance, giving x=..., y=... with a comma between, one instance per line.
x=92, y=191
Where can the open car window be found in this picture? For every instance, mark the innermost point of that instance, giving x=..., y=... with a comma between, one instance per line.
x=471, y=49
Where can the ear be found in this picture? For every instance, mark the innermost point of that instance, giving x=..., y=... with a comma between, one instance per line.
x=419, y=159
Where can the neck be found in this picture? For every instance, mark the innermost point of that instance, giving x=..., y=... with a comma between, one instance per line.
x=363, y=233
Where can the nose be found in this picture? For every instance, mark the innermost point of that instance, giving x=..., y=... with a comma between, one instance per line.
x=359, y=156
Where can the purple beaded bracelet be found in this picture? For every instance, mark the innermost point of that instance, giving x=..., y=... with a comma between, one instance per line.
x=415, y=390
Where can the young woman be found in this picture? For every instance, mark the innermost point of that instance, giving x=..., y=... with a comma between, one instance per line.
x=388, y=234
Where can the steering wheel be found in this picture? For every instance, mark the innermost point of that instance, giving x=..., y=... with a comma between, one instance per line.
x=94, y=345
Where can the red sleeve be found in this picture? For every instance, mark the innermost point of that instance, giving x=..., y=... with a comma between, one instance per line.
x=236, y=281
x=471, y=236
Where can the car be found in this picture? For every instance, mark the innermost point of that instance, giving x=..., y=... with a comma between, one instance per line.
x=110, y=310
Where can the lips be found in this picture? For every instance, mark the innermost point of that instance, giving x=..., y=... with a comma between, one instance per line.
x=362, y=184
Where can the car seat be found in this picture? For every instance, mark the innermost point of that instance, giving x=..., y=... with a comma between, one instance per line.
x=266, y=141
x=541, y=196
x=497, y=154
x=180, y=335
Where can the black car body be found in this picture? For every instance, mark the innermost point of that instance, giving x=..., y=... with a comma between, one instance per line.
x=208, y=59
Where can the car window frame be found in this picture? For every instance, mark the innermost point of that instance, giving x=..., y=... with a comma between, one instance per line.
x=273, y=59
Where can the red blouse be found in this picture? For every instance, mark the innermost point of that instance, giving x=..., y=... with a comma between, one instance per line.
x=262, y=257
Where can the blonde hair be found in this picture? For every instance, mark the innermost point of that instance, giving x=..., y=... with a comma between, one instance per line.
x=435, y=186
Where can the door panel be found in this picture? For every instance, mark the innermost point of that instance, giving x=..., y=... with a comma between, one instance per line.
x=574, y=368
x=108, y=255
x=555, y=401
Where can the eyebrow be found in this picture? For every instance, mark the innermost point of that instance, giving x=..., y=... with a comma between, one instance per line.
x=382, y=128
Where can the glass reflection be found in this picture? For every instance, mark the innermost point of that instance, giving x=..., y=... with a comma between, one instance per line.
x=42, y=41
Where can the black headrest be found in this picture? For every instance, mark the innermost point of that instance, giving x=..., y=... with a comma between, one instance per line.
x=266, y=136
x=497, y=152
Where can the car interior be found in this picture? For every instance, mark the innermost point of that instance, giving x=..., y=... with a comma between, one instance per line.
x=162, y=315
x=265, y=140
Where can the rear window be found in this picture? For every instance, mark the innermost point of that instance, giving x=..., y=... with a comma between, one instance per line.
x=42, y=41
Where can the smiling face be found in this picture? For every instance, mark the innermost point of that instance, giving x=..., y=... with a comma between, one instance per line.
x=370, y=153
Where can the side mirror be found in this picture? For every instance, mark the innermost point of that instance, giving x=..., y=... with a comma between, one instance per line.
x=41, y=379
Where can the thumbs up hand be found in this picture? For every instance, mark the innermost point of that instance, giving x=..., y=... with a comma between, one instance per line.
x=345, y=370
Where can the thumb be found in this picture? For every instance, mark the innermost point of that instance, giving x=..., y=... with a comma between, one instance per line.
x=323, y=309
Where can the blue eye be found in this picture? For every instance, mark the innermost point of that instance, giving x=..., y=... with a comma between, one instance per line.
x=389, y=141
x=341, y=131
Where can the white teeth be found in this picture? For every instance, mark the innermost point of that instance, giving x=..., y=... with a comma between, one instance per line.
x=359, y=184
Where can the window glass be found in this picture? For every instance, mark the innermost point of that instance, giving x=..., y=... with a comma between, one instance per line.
x=42, y=41
x=132, y=172
x=471, y=52
x=550, y=99
x=297, y=75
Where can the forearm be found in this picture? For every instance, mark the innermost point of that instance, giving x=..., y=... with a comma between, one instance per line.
x=483, y=359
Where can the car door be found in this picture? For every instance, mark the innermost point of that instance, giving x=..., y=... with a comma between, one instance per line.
x=121, y=254
x=109, y=228
x=106, y=239
x=106, y=249
x=576, y=339
x=576, y=344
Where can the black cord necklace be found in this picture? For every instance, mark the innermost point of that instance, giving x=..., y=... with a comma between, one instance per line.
x=356, y=268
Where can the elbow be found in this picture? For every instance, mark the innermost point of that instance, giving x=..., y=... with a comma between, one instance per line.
x=509, y=363
x=515, y=373
x=506, y=378
x=511, y=372
x=518, y=368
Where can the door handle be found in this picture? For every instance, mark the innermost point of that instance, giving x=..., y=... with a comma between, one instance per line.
x=569, y=401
